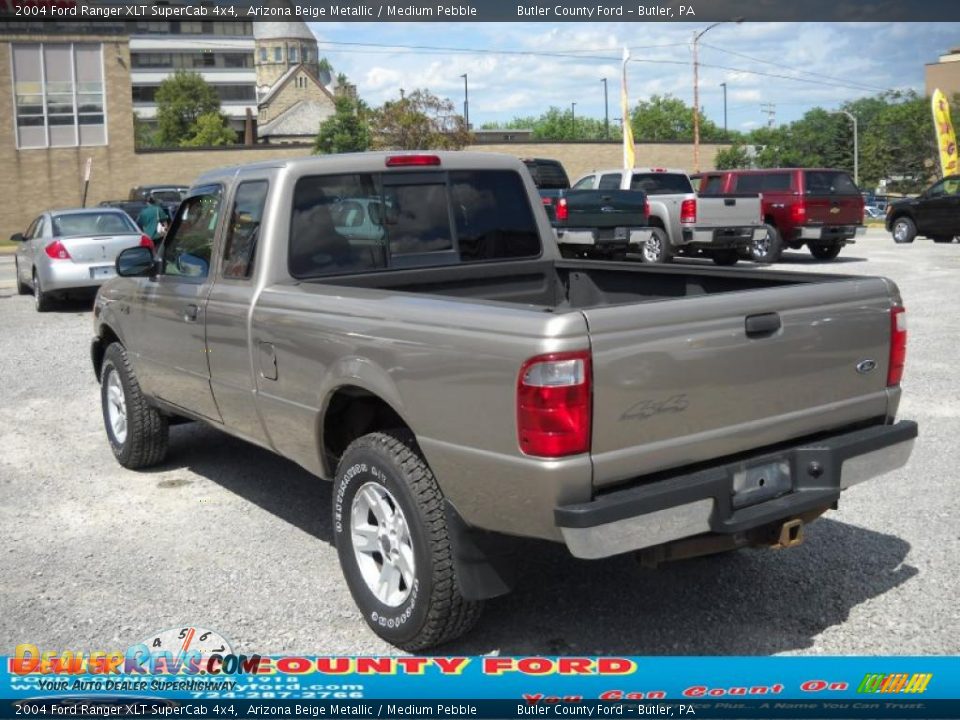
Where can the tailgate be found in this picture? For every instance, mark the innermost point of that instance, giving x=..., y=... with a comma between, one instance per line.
x=729, y=211
x=679, y=381
x=605, y=209
x=831, y=198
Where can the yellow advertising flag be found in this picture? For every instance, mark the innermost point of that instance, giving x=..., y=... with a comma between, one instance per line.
x=946, y=138
x=629, y=151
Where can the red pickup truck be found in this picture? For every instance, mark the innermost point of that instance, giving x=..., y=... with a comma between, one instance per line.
x=817, y=207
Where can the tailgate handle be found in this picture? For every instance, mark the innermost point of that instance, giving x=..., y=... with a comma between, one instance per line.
x=729, y=202
x=760, y=325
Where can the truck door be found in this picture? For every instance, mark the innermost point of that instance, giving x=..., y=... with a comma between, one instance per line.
x=939, y=211
x=171, y=328
x=229, y=307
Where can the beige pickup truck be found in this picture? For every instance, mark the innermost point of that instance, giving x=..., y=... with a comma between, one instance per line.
x=404, y=326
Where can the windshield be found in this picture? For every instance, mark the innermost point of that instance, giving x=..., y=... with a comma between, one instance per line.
x=168, y=196
x=93, y=223
x=661, y=183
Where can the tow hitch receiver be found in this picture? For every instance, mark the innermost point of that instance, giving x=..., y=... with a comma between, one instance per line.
x=791, y=534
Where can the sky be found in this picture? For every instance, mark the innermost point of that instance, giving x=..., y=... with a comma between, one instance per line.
x=511, y=71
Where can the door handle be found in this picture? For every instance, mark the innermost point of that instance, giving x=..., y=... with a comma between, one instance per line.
x=190, y=313
x=762, y=325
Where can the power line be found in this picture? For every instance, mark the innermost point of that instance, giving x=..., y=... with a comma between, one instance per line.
x=771, y=110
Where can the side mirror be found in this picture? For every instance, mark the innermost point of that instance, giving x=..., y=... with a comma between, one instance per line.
x=136, y=262
x=17, y=237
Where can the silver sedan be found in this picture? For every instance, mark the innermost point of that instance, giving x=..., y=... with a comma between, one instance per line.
x=72, y=250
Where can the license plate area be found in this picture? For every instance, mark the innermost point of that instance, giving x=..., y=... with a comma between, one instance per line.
x=757, y=483
x=105, y=271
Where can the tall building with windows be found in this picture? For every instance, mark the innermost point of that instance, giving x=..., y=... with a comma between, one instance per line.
x=221, y=52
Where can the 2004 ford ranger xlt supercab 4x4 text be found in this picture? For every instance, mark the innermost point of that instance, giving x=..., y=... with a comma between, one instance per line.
x=403, y=325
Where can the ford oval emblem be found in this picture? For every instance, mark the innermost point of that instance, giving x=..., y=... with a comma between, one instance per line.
x=865, y=366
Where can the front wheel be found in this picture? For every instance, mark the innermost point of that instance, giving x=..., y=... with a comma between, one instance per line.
x=769, y=249
x=657, y=248
x=904, y=231
x=138, y=433
x=825, y=252
x=394, y=546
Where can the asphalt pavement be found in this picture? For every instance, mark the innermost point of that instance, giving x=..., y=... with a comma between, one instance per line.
x=229, y=537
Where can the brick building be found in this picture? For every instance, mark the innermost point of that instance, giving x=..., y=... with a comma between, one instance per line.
x=944, y=74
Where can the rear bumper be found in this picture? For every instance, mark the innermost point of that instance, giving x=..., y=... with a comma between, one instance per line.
x=830, y=233
x=606, y=238
x=62, y=275
x=702, y=502
x=730, y=237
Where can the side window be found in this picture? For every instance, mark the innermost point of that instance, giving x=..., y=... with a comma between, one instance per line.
x=586, y=183
x=241, y=244
x=189, y=244
x=951, y=185
x=776, y=182
x=749, y=183
x=34, y=229
x=610, y=181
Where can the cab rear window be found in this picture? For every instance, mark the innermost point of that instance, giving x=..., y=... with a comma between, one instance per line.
x=365, y=222
x=661, y=183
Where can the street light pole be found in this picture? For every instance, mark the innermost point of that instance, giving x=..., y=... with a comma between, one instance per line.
x=573, y=120
x=696, y=88
x=724, y=86
x=856, y=146
x=466, y=101
x=606, y=110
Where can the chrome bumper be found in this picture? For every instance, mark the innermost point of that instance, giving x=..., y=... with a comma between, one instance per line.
x=683, y=506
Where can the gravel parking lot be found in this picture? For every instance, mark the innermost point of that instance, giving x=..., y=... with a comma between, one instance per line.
x=227, y=536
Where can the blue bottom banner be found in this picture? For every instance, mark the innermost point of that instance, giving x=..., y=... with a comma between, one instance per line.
x=142, y=683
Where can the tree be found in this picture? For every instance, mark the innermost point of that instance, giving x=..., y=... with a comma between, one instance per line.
x=419, y=121
x=665, y=118
x=559, y=126
x=211, y=130
x=181, y=99
x=347, y=130
x=734, y=157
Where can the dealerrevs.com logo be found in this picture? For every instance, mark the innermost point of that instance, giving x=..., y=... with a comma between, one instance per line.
x=895, y=683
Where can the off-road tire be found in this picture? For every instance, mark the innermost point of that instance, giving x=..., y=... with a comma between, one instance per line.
x=434, y=612
x=147, y=429
x=768, y=251
x=825, y=252
x=22, y=287
x=657, y=249
x=903, y=230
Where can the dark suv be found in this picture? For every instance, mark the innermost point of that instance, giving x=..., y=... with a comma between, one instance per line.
x=935, y=214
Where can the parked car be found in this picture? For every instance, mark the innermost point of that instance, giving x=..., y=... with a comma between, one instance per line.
x=817, y=207
x=682, y=223
x=72, y=250
x=590, y=223
x=169, y=196
x=935, y=214
x=461, y=385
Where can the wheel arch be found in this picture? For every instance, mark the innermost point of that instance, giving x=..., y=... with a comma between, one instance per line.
x=106, y=336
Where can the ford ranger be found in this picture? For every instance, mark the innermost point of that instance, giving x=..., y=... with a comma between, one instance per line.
x=404, y=326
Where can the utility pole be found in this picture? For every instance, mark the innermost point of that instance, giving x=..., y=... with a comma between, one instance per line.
x=856, y=146
x=606, y=110
x=771, y=110
x=573, y=120
x=696, y=88
x=724, y=86
x=466, y=101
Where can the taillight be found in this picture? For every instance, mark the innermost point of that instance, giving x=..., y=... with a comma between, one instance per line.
x=898, y=345
x=646, y=207
x=412, y=160
x=563, y=212
x=553, y=405
x=688, y=211
x=798, y=213
x=57, y=251
x=147, y=243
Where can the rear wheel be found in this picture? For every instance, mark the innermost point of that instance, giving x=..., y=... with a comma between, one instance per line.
x=22, y=287
x=394, y=547
x=904, y=230
x=138, y=433
x=41, y=299
x=824, y=252
x=769, y=249
x=657, y=248
x=726, y=257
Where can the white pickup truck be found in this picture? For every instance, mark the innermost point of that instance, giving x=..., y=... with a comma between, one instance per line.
x=721, y=227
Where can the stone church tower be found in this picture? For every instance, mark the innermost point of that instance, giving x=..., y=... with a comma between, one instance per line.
x=281, y=46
